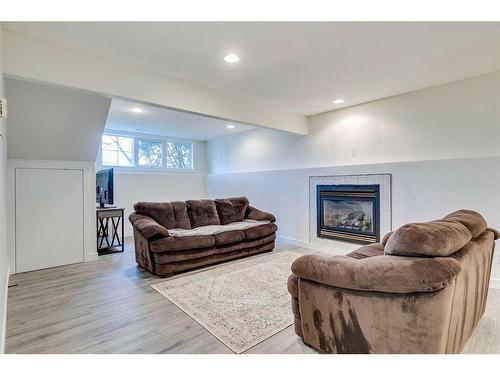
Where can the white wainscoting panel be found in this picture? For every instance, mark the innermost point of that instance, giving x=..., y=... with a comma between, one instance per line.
x=49, y=217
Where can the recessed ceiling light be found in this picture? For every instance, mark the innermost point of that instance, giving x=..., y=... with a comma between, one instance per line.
x=339, y=101
x=137, y=110
x=231, y=58
x=230, y=126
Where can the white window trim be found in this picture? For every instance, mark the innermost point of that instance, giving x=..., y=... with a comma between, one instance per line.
x=146, y=168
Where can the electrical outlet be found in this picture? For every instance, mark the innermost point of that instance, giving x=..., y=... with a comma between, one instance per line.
x=3, y=108
x=354, y=153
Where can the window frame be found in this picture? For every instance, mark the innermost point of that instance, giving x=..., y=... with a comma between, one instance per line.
x=136, y=168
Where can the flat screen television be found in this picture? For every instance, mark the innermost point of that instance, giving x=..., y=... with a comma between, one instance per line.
x=104, y=187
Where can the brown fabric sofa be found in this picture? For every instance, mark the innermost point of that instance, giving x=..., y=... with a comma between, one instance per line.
x=422, y=290
x=160, y=250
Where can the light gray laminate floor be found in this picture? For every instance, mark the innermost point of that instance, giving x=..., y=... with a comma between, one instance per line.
x=108, y=306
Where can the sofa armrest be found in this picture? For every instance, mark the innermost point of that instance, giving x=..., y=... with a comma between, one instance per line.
x=385, y=273
x=147, y=226
x=253, y=213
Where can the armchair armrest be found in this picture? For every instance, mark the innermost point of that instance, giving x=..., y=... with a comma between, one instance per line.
x=496, y=234
x=386, y=273
x=147, y=226
x=256, y=214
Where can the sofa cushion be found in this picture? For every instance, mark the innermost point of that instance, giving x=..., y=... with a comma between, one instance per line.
x=183, y=255
x=473, y=221
x=260, y=241
x=229, y=237
x=202, y=212
x=260, y=231
x=438, y=238
x=231, y=209
x=182, y=243
x=170, y=215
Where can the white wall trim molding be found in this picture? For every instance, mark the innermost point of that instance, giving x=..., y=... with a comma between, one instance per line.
x=39, y=60
x=4, y=315
x=88, y=169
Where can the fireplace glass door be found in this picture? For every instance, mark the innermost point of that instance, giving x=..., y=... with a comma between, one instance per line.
x=349, y=215
x=349, y=212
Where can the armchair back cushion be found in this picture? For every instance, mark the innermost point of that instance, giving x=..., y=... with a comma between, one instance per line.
x=202, y=212
x=473, y=221
x=232, y=209
x=439, y=238
x=170, y=214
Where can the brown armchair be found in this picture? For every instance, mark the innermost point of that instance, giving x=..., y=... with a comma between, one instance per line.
x=423, y=292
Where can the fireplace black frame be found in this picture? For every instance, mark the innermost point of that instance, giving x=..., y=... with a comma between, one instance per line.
x=357, y=237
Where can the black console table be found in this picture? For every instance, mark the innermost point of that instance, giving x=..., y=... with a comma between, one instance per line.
x=108, y=221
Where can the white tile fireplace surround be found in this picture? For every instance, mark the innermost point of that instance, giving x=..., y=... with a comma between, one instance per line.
x=385, y=185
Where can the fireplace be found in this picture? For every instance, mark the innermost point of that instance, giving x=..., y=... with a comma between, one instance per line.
x=349, y=213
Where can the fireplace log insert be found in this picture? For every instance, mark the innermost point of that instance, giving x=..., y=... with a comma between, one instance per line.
x=349, y=213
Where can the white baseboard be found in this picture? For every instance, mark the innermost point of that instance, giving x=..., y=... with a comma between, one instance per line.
x=309, y=245
x=91, y=257
x=293, y=241
x=4, y=315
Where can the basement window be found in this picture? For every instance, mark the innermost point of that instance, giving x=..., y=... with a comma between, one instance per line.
x=117, y=151
x=130, y=152
x=150, y=153
x=179, y=155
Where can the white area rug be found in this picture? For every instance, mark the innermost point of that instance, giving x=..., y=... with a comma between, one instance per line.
x=242, y=303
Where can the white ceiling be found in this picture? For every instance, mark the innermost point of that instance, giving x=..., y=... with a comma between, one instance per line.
x=304, y=66
x=165, y=122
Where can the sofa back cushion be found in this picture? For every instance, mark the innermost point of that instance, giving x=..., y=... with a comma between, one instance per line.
x=231, y=209
x=438, y=238
x=170, y=214
x=473, y=221
x=202, y=212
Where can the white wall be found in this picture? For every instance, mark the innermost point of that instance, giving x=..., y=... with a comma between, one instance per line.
x=4, y=261
x=442, y=146
x=457, y=120
x=36, y=59
x=134, y=187
x=53, y=123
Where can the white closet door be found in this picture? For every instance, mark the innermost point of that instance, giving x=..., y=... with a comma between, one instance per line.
x=49, y=218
